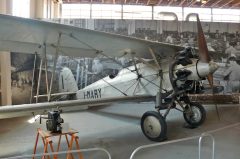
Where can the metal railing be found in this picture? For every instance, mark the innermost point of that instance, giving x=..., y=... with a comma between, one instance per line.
x=205, y=134
x=61, y=153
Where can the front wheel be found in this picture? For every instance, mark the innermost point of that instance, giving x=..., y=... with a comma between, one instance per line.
x=154, y=126
x=194, y=114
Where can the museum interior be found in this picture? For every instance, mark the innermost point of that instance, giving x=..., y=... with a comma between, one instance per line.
x=124, y=79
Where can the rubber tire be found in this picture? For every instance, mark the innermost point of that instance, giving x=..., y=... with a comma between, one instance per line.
x=162, y=135
x=203, y=115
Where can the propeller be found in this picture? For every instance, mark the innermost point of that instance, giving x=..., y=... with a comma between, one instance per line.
x=205, y=57
x=203, y=50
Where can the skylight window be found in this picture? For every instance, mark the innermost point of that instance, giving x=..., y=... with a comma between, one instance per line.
x=21, y=8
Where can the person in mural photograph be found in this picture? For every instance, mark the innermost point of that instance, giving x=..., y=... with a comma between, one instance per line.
x=230, y=50
x=169, y=39
x=237, y=47
x=21, y=76
x=232, y=75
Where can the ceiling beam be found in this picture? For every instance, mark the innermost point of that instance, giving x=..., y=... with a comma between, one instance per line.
x=182, y=1
x=159, y=2
x=192, y=3
x=170, y=2
x=148, y=2
x=235, y=5
x=214, y=4
x=227, y=3
x=205, y=3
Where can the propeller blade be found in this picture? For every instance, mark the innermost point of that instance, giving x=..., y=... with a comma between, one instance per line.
x=204, y=54
x=210, y=80
x=203, y=50
x=202, y=45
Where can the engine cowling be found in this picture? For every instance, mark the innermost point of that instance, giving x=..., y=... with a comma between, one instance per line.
x=187, y=69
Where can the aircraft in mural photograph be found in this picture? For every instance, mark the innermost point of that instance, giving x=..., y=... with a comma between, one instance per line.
x=161, y=72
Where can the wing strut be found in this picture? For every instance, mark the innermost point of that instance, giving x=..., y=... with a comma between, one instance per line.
x=54, y=66
x=46, y=67
x=159, y=94
x=154, y=58
x=135, y=65
x=91, y=47
x=43, y=60
x=139, y=76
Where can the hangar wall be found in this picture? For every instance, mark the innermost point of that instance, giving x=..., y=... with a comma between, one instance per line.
x=15, y=76
x=5, y=68
x=44, y=9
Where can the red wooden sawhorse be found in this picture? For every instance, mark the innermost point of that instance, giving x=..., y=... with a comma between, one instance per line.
x=46, y=138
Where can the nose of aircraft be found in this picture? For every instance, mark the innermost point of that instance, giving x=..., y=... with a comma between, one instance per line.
x=200, y=69
x=205, y=69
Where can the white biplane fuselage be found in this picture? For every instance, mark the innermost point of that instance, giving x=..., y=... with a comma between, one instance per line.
x=127, y=82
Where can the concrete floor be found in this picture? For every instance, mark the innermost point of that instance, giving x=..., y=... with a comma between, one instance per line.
x=116, y=128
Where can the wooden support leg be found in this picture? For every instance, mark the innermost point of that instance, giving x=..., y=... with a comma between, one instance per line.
x=70, y=155
x=67, y=140
x=44, y=144
x=45, y=150
x=78, y=147
x=59, y=143
x=35, y=146
x=52, y=149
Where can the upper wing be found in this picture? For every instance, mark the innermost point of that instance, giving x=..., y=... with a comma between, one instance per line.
x=39, y=108
x=28, y=36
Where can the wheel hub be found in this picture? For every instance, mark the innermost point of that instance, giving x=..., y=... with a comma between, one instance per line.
x=195, y=115
x=152, y=126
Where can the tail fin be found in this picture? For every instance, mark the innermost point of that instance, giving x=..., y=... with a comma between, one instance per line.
x=67, y=82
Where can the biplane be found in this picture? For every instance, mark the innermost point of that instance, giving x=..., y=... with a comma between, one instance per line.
x=161, y=72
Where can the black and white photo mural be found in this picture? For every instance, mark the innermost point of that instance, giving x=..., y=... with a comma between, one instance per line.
x=223, y=42
x=25, y=78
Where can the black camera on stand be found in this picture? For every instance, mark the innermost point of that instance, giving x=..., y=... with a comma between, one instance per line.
x=54, y=121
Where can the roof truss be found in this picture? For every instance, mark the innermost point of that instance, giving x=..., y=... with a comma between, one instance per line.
x=178, y=3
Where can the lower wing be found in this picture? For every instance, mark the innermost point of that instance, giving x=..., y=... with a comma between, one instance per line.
x=40, y=108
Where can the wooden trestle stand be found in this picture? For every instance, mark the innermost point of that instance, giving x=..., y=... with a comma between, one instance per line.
x=46, y=138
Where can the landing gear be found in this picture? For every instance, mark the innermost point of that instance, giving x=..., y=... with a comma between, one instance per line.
x=194, y=114
x=154, y=126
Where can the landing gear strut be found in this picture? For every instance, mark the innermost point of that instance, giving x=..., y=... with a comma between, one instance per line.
x=153, y=124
